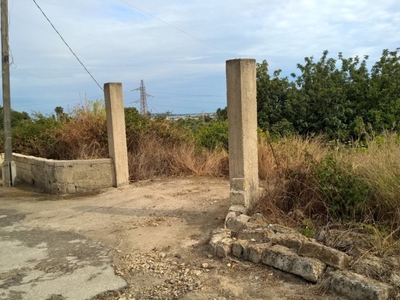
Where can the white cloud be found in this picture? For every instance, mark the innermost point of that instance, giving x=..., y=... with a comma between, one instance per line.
x=117, y=42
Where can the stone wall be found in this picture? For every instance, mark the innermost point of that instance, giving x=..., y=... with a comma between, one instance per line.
x=64, y=176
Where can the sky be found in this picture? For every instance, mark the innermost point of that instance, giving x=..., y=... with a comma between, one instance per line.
x=178, y=48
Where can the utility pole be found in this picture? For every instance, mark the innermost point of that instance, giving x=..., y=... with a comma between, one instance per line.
x=143, y=98
x=9, y=170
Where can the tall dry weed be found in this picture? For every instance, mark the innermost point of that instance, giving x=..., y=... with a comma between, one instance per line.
x=159, y=157
x=84, y=134
x=315, y=183
x=284, y=169
x=379, y=166
x=275, y=158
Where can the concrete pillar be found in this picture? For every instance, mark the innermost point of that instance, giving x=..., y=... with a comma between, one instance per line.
x=116, y=132
x=242, y=122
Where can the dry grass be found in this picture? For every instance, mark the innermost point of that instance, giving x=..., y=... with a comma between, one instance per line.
x=294, y=172
x=284, y=170
x=157, y=157
x=84, y=134
x=379, y=166
x=275, y=158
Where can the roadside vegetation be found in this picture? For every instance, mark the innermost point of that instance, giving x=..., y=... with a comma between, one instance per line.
x=328, y=143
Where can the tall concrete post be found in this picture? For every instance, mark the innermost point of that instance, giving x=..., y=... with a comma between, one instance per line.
x=116, y=132
x=8, y=167
x=242, y=123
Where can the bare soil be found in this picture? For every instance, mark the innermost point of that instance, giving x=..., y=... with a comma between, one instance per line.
x=157, y=234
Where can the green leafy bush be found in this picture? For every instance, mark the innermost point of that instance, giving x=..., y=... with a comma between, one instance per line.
x=343, y=192
x=35, y=136
x=213, y=136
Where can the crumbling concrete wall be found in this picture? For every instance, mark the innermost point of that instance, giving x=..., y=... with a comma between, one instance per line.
x=65, y=176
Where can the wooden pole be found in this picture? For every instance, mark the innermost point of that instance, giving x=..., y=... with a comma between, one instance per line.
x=8, y=165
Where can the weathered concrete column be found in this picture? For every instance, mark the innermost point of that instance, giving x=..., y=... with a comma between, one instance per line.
x=116, y=132
x=242, y=122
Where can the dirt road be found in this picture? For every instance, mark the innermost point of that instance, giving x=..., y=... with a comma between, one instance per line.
x=155, y=234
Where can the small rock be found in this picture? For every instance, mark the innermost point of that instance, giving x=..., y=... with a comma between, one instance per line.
x=162, y=255
x=229, y=265
x=205, y=265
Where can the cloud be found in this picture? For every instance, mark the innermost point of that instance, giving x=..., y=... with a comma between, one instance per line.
x=180, y=46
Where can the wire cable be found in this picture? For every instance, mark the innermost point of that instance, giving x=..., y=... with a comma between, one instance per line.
x=177, y=28
x=67, y=45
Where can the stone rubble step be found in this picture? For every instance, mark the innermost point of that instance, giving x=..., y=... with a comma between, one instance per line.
x=328, y=255
x=287, y=260
x=291, y=252
x=356, y=287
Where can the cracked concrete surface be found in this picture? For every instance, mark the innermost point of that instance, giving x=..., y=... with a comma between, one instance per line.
x=51, y=264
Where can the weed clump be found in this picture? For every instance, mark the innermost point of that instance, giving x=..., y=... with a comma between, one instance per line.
x=311, y=184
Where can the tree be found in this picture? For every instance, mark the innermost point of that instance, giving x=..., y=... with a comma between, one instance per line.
x=222, y=114
x=16, y=117
x=60, y=116
x=274, y=110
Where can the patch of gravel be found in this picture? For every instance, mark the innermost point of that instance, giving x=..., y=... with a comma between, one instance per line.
x=171, y=278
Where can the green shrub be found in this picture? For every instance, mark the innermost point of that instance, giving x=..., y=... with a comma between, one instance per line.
x=344, y=192
x=35, y=136
x=213, y=136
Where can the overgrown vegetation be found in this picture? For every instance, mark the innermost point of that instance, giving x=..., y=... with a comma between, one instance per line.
x=328, y=142
x=339, y=98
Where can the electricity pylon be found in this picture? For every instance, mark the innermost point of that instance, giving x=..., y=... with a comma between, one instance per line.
x=143, y=98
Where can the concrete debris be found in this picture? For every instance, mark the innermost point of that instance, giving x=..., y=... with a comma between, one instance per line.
x=287, y=260
x=286, y=249
x=357, y=287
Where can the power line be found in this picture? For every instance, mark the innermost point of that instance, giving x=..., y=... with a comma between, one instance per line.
x=67, y=45
x=177, y=28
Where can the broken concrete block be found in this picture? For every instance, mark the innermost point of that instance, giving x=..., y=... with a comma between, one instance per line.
x=260, y=235
x=216, y=237
x=236, y=224
x=224, y=248
x=229, y=217
x=356, y=287
x=237, y=197
x=285, y=230
x=237, y=248
x=289, y=240
x=238, y=209
x=287, y=260
x=255, y=252
x=330, y=256
x=246, y=253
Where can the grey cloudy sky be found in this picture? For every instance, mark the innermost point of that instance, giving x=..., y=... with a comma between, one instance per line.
x=179, y=47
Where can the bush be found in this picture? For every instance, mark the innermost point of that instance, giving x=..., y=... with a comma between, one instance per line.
x=35, y=136
x=310, y=180
x=213, y=136
x=343, y=192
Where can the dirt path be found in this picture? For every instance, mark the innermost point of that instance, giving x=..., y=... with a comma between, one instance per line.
x=157, y=233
